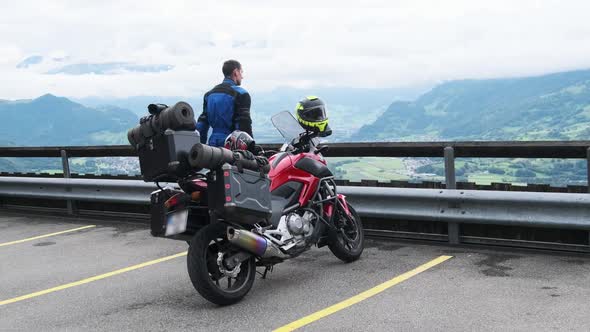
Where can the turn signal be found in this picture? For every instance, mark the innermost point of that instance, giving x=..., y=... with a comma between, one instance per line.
x=196, y=196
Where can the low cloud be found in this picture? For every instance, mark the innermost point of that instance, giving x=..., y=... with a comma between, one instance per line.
x=382, y=44
x=109, y=68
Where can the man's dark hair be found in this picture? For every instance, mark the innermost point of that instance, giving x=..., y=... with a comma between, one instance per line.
x=229, y=66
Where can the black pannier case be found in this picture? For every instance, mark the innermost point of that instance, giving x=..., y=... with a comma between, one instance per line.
x=165, y=157
x=240, y=196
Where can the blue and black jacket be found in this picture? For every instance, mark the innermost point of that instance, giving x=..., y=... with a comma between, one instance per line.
x=225, y=108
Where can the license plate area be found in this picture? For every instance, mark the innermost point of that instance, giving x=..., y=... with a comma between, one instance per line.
x=176, y=222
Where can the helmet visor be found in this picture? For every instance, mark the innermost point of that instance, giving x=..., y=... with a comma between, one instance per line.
x=314, y=114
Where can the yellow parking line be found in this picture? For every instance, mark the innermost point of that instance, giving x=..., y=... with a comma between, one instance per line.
x=360, y=297
x=46, y=235
x=91, y=279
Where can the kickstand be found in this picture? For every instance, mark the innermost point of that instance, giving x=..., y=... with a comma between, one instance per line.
x=266, y=269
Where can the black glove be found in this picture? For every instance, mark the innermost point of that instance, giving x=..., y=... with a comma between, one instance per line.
x=243, y=154
x=257, y=150
x=245, y=159
x=261, y=160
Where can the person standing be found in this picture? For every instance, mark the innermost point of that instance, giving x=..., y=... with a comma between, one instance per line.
x=226, y=107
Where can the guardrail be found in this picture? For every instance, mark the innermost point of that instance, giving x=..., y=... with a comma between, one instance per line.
x=448, y=150
x=530, y=209
x=476, y=149
x=109, y=191
x=553, y=210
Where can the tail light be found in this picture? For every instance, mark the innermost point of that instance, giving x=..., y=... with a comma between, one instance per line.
x=181, y=200
x=176, y=201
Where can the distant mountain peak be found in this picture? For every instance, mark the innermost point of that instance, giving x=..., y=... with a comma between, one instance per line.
x=52, y=101
x=47, y=96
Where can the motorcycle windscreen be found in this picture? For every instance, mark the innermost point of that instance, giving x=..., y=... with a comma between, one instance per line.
x=287, y=125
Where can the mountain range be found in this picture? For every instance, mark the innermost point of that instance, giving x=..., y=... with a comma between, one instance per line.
x=548, y=107
x=348, y=108
x=554, y=106
x=50, y=120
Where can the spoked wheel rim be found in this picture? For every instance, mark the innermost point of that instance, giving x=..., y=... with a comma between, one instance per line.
x=222, y=280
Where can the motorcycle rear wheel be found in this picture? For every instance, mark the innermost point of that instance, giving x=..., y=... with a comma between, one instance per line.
x=205, y=274
x=349, y=246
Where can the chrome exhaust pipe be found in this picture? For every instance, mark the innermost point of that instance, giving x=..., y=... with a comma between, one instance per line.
x=254, y=243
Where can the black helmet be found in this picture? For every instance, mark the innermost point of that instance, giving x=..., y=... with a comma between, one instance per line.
x=239, y=140
x=311, y=114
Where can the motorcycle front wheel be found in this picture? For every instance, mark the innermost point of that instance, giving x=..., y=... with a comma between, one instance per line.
x=348, y=241
x=210, y=279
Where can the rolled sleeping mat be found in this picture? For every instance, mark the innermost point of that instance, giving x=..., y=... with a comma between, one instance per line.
x=179, y=116
x=205, y=156
x=156, y=124
x=199, y=155
x=151, y=126
x=138, y=134
x=220, y=156
x=146, y=128
x=130, y=137
x=186, y=116
x=135, y=137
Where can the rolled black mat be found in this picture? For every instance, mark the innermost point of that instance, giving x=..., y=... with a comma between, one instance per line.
x=205, y=156
x=179, y=116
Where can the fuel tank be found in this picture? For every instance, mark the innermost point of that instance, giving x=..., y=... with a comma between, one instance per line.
x=279, y=163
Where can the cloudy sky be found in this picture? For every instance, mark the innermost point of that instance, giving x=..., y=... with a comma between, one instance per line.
x=123, y=48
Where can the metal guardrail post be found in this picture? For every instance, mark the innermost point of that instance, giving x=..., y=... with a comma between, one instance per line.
x=72, y=209
x=451, y=183
x=588, y=179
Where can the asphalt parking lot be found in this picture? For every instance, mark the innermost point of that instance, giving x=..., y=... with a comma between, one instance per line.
x=101, y=275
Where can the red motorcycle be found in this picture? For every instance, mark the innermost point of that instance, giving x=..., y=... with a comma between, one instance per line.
x=237, y=218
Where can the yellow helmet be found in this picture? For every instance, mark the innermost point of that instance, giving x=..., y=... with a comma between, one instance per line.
x=311, y=114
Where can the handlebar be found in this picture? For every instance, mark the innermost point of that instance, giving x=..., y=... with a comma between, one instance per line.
x=305, y=142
